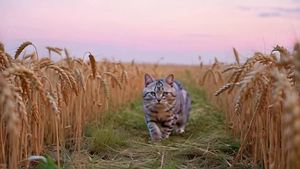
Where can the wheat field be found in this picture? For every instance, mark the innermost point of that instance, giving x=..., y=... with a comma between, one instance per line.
x=46, y=105
x=261, y=101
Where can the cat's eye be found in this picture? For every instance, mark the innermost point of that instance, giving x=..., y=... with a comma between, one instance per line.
x=165, y=93
x=153, y=93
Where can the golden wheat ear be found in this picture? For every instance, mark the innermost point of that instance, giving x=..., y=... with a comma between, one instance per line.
x=170, y=79
x=148, y=79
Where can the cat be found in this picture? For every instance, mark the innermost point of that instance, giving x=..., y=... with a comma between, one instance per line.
x=166, y=105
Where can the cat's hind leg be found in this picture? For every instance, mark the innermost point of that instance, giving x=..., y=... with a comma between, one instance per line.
x=180, y=128
x=180, y=124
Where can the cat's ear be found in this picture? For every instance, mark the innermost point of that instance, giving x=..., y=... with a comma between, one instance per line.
x=170, y=79
x=148, y=79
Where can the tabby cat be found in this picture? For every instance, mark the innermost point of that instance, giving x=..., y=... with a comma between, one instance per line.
x=166, y=105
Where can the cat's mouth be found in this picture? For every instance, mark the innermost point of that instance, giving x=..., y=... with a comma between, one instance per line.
x=159, y=104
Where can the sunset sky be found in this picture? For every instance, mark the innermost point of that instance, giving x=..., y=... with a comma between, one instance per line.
x=146, y=30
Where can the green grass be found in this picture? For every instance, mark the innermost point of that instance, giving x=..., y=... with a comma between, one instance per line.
x=121, y=140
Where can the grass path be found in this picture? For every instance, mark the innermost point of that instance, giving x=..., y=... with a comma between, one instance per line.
x=122, y=140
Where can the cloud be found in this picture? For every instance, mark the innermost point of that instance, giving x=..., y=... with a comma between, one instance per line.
x=269, y=14
x=295, y=0
x=287, y=10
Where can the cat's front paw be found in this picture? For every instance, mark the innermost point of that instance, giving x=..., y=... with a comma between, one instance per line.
x=166, y=136
x=156, y=137
x=180, y=130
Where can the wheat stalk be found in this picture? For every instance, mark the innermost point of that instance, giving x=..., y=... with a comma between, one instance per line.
x=236, y=55
x=54, y=49
x=62, y=73
x=230, y=68
x=44, y=62
x=22, y=47
x=12, y=119
x=2, y=49
x=104, y=84
x=124, y=76
x=114, y=78
x=207, y=74
x=72, y=80
x=224, y=88
x=4, y=61
x=32, y=56
x=93, y=65
x=20, y=70
x=80, y=78
x=296, y=61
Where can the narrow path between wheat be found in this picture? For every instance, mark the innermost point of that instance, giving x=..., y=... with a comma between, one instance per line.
x=122, y=140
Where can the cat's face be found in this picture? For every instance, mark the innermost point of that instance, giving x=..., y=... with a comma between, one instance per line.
x=159, y=93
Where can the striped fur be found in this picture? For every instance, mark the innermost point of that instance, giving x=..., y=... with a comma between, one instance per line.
x=166, y=105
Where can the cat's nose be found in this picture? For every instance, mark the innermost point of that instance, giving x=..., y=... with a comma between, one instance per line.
x=158, y=100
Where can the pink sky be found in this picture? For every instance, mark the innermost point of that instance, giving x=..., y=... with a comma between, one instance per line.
x=146, y=30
